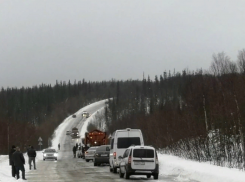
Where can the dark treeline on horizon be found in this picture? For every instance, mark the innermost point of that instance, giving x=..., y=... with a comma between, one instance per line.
x=29, y=113
x=198, y=115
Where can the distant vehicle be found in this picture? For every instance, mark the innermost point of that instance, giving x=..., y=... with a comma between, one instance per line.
x=139, y=160
x=74, y=133
x=68, y=132
x=85, y=114
x=89, y=154
x=101, y=155
x=120, y=141
x=95, y=138
x=74, y=116
x=50, y=154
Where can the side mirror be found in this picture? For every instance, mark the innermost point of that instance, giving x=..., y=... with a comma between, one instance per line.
x=120, y=157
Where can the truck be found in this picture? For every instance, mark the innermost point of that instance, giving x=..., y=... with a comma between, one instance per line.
x=75, y=133
x=95, y=138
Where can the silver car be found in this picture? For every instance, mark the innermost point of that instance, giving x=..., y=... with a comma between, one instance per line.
x=89, y=154
x=50, y=154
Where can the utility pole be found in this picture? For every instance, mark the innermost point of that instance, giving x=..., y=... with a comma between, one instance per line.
x=8, y=137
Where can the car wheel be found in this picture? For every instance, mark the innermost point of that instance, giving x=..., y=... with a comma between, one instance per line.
x=148, y=175
x=95, y=164
x=110, y=168
x=155, y=176
x=43, y=159
x=127, y=175
x=120, y=173
x=56, y=159
x=87, y=160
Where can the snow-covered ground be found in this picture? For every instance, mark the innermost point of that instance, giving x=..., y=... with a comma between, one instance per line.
x=182, y=170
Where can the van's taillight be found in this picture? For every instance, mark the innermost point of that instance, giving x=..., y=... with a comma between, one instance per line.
x=129, y=159
x=115, y=155
x=156, y=159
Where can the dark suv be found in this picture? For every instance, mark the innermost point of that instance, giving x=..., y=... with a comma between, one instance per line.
x=139, y=160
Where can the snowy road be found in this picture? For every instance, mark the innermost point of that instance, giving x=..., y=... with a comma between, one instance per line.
x=68, y=168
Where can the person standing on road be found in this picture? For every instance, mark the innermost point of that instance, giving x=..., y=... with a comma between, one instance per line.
x=19, y=162
x=32, y=155
x=59, y=146
x=11, y=162
x=74, y=151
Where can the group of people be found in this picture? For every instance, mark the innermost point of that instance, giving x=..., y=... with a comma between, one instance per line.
x=79, y=147
x=17, y=160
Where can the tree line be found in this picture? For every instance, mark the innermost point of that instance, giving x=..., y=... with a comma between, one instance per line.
x=198, y=115
x=29, y=113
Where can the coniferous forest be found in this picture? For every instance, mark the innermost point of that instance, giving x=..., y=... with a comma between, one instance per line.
x=198, y=115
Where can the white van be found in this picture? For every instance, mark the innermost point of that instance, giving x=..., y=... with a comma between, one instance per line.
x=120, y=141
x=139, y=160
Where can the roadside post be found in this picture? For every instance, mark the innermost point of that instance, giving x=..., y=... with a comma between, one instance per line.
x=40, y=142
x=49, y=142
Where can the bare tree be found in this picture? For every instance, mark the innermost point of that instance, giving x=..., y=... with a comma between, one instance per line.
x=241, y=61
x=222, y=65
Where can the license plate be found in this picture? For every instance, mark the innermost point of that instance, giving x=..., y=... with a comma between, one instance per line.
x=139, y=163
x=103, y=154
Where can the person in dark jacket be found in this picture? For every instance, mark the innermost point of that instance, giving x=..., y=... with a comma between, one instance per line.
x=11, y=162
x=19, y=162
x=32, y=155
x=74, y=151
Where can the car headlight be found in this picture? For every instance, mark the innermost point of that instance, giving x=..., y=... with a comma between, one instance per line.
x=44, y=155
x=55, y=155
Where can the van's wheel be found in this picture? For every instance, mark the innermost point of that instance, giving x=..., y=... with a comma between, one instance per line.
x=148, y=175
x=126, y=174
x=155, y=176
x=87, y=160
x=120, y=173
x=95, y=164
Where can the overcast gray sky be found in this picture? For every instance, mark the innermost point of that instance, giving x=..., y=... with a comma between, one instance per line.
x=42, y=41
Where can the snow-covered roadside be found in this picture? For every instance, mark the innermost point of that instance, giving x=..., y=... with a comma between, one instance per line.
x=203, y=172
x=183, y=170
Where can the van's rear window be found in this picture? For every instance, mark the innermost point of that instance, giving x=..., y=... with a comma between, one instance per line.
x=123, y=143
x=143, y=153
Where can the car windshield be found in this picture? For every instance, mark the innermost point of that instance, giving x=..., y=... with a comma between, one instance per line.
x=104, y=148
x=49, y=150
x=143, y=153
x=127, y=141
x=92, y=148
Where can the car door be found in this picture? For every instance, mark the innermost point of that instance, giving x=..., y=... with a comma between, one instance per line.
x=124, y=160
